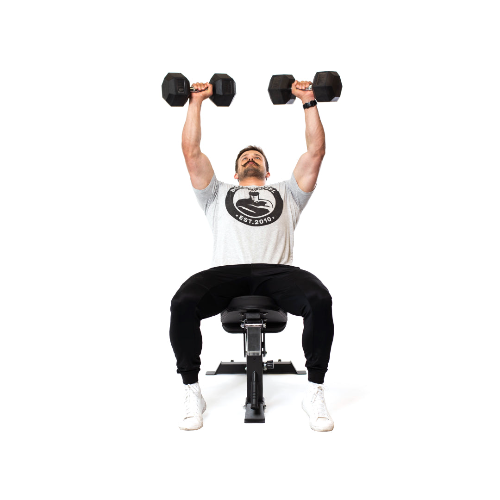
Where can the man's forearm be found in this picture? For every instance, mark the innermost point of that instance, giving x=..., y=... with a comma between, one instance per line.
x=191, y=134
x=315, y=134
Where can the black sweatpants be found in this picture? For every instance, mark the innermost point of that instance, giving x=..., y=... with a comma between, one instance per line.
x=209, y=292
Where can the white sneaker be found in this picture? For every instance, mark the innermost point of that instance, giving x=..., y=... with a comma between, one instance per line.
x=314, y=405
x=194, y=406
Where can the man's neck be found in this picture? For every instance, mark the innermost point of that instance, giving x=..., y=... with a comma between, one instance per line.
x=252, y=181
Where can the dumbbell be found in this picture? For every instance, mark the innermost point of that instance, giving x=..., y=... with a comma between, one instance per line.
x=176, y=88
x=326, y=86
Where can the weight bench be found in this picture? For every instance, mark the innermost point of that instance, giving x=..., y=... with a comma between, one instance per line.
x=254, y=315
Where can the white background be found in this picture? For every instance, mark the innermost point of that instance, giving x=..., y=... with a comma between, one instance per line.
x=100, y=227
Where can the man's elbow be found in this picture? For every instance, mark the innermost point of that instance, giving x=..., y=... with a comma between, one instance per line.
x=317, y=151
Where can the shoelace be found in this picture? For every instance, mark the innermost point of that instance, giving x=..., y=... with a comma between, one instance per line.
x=191, y=404
x=318, y=403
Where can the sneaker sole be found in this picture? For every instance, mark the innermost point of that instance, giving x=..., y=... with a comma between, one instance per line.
x=190, y=428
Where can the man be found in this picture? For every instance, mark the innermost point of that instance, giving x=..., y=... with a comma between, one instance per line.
x=253, y=226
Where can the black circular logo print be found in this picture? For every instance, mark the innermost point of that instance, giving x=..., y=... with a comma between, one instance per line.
x=255, y=206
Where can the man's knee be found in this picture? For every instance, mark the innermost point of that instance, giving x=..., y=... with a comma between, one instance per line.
x=186, y=298
x=320, y=296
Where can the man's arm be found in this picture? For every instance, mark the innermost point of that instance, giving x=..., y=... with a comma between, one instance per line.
x=307, y=169
x=198, y=165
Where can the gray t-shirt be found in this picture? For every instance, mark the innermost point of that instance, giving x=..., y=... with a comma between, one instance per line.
x=252, y=224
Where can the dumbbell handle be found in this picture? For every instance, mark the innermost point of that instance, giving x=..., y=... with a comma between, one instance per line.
x=196, y=91
x=307, y=88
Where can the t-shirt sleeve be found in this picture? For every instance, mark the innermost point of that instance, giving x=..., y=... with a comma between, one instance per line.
x=300, y=197
x=207, y=196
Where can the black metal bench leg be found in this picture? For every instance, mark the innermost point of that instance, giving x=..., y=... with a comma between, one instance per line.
x=255, y=400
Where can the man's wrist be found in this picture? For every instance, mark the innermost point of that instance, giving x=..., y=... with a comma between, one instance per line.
x=195, y=104
x=309, y=103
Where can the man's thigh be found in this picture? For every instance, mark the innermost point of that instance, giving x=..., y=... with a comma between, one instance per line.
x=211, y=290
x=295, y=290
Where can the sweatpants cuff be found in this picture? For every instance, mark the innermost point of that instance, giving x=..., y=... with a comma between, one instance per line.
x=316, y=376
x=190, y=377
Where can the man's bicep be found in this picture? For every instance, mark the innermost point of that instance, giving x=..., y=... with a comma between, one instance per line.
x=307, y=170
x=200, y=170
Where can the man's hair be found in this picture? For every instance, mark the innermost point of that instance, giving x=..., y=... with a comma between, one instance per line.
x=250, y=148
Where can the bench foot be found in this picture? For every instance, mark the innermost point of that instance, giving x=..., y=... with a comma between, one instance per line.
x=254, y=416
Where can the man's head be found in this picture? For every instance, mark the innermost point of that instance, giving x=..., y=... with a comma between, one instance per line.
x=251, y=167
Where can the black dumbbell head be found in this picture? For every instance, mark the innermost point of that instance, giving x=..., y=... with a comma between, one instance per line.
x=175, y=89
x=224, y=89
x=280, y=89
x=327, y=86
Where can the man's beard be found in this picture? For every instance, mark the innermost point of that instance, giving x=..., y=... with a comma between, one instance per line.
x=252, y=170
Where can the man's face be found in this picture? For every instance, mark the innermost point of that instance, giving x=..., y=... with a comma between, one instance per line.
x=251, y=164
